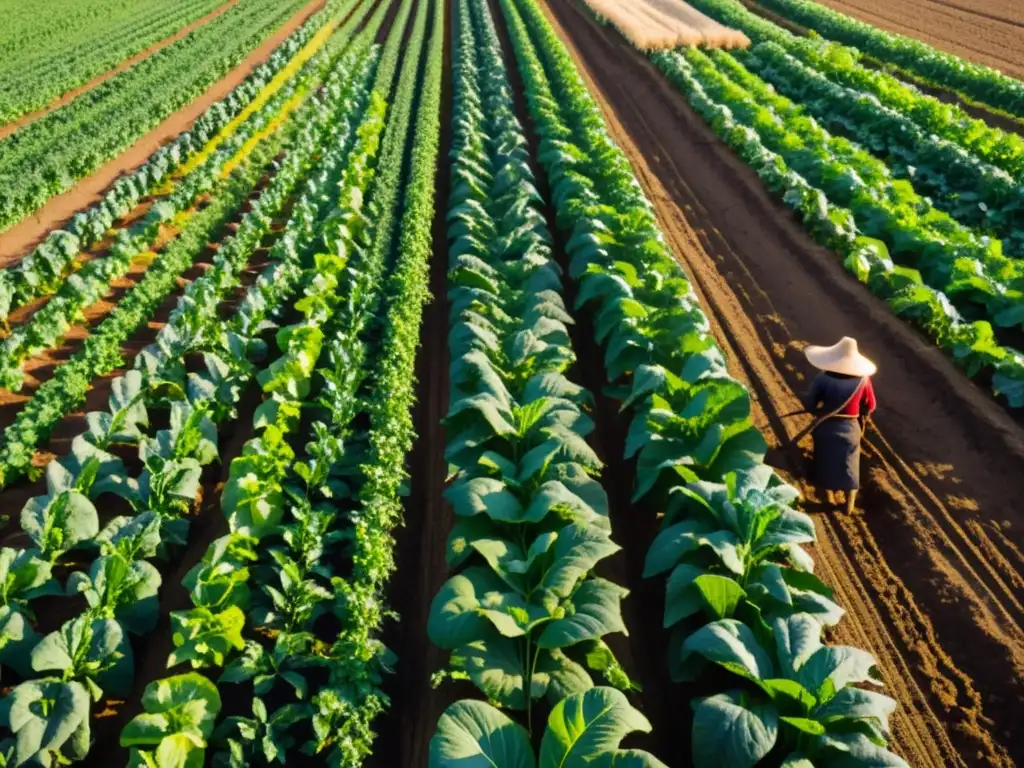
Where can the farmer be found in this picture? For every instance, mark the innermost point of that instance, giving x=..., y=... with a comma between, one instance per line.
x=841, y=396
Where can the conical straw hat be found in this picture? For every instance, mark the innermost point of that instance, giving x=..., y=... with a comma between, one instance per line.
x=843, y=357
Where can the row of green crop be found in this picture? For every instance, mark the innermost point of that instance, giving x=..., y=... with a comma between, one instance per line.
x=47, y=326
x=843, y=66
x=45, y=267
x=976, y=82
x=276, y=568
x=101, y=352
x=90, y=654
x=975, y=193
x=36, y=72
x=968, y=170
x=955, y=281
x=525, y=616
x=49, y=155
x=334, y=502
x=121, y=587
x=849, y=203
x=740, y=594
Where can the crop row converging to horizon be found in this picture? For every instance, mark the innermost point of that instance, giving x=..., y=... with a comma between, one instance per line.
x=226, y=509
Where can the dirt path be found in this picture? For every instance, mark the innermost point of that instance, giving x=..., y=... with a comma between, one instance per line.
x=25, y=235
x=67, y=98
x=932, y=573
x=985, y=31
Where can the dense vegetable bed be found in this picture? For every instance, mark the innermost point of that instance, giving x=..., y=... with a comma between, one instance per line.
x=740, y=594
x=924, y=205
x=49, y=155
x=976, y=82
x=45, y=55
x=524, y=616
x=256, y=450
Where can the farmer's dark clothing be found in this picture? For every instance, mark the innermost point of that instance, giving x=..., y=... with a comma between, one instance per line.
x=837, y=440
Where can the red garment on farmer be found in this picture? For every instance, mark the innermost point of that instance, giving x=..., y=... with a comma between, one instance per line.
x=862, y=402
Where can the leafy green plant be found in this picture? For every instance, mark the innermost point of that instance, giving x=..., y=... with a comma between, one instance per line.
x=119, y=588
x=802, y=695
x=524, y=616
x=49, y=720
x=730, y=538
x=177, y=723
x=204, y=638
x=263, y=737
x=583, y=729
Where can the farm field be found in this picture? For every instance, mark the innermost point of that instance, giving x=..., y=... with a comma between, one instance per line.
x=409, y=383
x=44, y=60
x=984, y=31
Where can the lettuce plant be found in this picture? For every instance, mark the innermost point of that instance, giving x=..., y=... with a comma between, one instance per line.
x=177, y=723
x=524, y=615
x=582, y=729
x=740, y=591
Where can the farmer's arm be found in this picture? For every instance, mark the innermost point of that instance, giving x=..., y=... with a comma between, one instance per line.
x=869, y=398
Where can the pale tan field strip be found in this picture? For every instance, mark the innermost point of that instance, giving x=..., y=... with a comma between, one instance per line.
x=655, y=24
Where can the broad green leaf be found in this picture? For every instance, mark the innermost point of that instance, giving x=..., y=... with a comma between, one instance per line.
x=790, y=527
x=464, y=532
x=179, y=751
x=856, y=703
x=805, y=725
x=564, y=676
x=508, y=560
x=252, y=501
x=23, y=575
x=681, y=599
x=797, y=639
x=840, y=665
x=17, y=638
x=721, y=594
x=484, y=495
x=497, y=667
x=57, y=524
x=577, y=550
x=597, y=612
x=587, y=728
x=47, y=717
x=670, y=545
x=731, y=730
x=733, y=645
x=203, y=637
x=789, y=695
x=857, y=751
x=726, y=546
x=456, y=616
x=554, y=497
x=472, y=734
